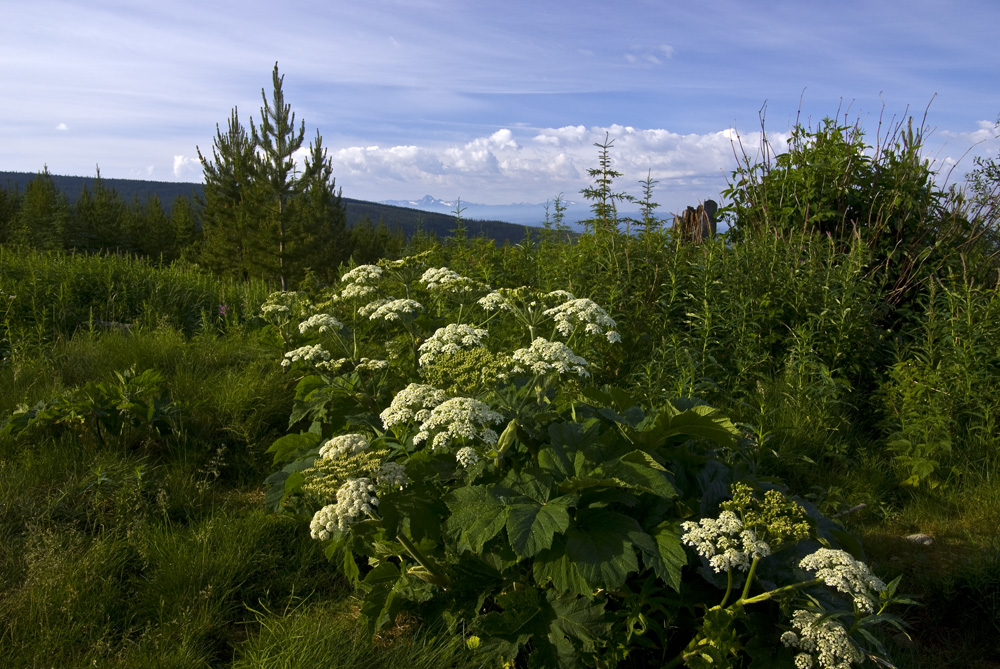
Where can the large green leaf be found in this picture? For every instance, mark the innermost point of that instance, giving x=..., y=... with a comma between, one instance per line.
x=476, y=516
x=670, y=557
x=377, y=607
x=531, y=526
x=579, y=619
x=701, y=421
x=553, y=564
x=293, y=446
x=601, y=547
x=521, y=618
x=416, y=504
x=638, y=471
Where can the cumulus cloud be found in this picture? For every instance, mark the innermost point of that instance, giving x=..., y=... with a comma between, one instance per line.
x=62, y=126
x=534, y=165
x=187, y=168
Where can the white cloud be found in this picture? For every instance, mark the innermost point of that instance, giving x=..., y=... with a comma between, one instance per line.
x=186, y=168
x=62, y=126
x=534, y=165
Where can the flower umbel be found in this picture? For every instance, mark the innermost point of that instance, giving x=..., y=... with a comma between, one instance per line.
x=450, y=339
x=459, y=418
x=546, y=356
x=824, y=640
x=396, y=310
x=841, y=571
x=724, y=542
x=576, y=312
x=312, y=354
x=413, y=403
x=320, y=322
x=344, y=444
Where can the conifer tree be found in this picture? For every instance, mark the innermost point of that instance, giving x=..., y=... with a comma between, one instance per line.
x=10, y=203
x=262, y=216
x=228, y=217
x=98, y=218
x=43, y=216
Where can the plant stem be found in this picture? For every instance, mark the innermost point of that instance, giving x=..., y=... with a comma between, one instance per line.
x=439, y=577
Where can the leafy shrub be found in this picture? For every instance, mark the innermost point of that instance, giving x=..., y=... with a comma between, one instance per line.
x=558, y=538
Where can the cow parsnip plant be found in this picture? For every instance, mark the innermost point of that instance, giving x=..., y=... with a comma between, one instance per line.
x=449, y=452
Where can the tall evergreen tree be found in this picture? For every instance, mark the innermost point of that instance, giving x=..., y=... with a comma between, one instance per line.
x=261, y=215
x=98, y=218
x=228, y=216
x=43, y=216
x=321, y=212
x=10, y=203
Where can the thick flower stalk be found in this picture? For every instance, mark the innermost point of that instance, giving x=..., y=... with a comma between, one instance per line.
x=449, y=340
x=583, y=312
x=412, y=404
x=841, y=571
x=546, y=356
x=825, y=641
x=459, y=418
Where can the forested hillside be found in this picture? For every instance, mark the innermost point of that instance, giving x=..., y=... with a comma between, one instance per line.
x=406, y=219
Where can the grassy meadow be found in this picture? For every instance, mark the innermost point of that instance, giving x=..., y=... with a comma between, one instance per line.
x=143, y=407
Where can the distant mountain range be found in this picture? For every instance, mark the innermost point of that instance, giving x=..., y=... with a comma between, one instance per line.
x=435, y=216
x=523, y=213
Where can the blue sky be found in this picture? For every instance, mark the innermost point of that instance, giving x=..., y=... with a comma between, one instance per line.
x=493, y=102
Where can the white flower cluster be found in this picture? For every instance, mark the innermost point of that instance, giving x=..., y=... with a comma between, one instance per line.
x=445, y=280
x=560, y=296
x=724, y=542
x=359, y=282
x=363, y=274
x=332, y=366
x=355, y=499
x=823, y=640
x=321, y=322
x=372, y=307
x=392, y=475
x=459, y=418
x=314, y=354
x=841, y=571
x=280, y=304
x=323, y=523
x=450, y=339
x=273, y=309
x=394, y=310
x=371, y=365
x=493, y=302
x=546, y=356
x=467, y=457
x=413, y=403
x=344, y=444
x=584, y=312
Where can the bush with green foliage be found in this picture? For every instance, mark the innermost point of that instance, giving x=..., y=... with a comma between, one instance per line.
x=560, y=539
